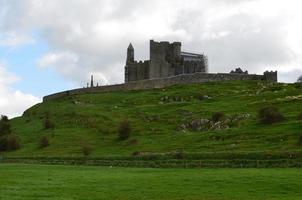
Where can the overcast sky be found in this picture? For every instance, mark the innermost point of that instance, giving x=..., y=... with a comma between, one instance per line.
x=48, y=46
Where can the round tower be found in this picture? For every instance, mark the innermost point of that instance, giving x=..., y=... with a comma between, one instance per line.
x=130, y=54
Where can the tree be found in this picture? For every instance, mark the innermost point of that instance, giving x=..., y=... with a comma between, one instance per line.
x=8, y=141
x=4, y=125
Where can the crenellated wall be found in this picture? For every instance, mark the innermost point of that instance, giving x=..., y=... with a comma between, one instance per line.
x=164, y=82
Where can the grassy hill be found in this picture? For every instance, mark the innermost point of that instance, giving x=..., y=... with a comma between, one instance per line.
x=163, y=121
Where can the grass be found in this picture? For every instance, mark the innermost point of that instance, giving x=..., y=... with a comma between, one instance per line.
x=43, y=182
x=93, y=119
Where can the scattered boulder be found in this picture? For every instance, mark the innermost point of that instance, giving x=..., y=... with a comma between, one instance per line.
x=206, y=124
x=199, y=124
x=170, y=99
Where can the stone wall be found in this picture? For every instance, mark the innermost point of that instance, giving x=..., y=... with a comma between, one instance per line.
x=166, y=60
x=137, y=71
x=160, y=83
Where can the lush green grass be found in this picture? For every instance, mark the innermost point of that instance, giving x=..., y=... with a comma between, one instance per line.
x=93, y=119
x=28, y=182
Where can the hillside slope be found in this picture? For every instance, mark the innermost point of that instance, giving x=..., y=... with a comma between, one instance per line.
x=164, y=120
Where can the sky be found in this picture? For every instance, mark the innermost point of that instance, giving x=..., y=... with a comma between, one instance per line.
x=51, y=46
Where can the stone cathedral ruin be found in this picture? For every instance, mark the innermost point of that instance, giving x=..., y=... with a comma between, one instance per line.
x=168, y=65
x=166, y=60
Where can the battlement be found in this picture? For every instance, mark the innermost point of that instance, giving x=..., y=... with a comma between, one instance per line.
x=166, y=60
x=271, y=76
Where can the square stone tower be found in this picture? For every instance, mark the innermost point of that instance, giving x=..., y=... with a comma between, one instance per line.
x=166, y=60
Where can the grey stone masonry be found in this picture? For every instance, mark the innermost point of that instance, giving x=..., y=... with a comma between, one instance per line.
x=198, y=77
x=166, y=60
x=167, y=66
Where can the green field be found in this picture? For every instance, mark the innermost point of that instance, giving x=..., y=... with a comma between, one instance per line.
x=27, y=182
x=156, y=117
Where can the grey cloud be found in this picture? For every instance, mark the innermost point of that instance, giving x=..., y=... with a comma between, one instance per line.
x=290, y=76
x=98, y=32
x=240, y=40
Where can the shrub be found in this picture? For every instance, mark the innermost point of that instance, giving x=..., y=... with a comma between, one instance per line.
x=218, y=116
x=201, y=97
x=2, y=143
x=43, y=142
x=4, y=118
x=136, y=153
x=9, y=143
x=124, y=130
x=86, y=149
x=13, y=143
x=270, y=115
x=47, y=123
x=5, y=128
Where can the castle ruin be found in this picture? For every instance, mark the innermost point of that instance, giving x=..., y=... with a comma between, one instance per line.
x=167, y=66
x=166, y=60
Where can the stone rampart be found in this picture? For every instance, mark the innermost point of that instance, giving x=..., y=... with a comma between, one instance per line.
x=164, y=82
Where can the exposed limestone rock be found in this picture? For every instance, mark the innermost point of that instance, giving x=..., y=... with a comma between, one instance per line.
x=206, y=124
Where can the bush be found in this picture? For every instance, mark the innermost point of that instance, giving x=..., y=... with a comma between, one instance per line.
x=270, y=115
x=13, y=143
x=86, y=149
x=43, y=142
x=201, y=97
x=4, y=118
x=47, y=123
x=136, y=153
x=5, y=128
x=124, y=130
x=9, y=143
x=218, y=116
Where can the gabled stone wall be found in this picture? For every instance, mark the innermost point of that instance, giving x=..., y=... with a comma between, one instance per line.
x=166, y=60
